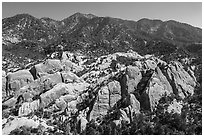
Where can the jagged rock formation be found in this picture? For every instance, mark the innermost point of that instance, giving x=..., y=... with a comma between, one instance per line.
x=181, y=80
x=109, y=88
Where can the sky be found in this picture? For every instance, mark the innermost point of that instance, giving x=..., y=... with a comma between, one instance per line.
x=185, y=12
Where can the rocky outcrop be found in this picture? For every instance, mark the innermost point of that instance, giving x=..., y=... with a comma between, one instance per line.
x=157, y=87
x=18, y=79
x=135, y=104
x=29, y=107
x=49, y=66
x=24, y=121
x=126, y=113
x=69, y=77
x=113, y=88
x=134, y=76
x=43, y=84
x=50, y=80
x=182, y=83
x=35, y=88
x=72, y=62
x=150, y=64
x=114, y=92
x=55, y=95
x=107, y=97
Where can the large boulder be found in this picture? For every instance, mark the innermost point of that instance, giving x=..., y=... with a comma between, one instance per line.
x=114, y=91
x=69, y=102
x=71, y=66
x=39, y=86
x=127, y=113
x=107, y=97
x=61, y=89
x=56, y=95
x=24, y=121
x=18, y=79
x=129, y=80
x=50, y=80
x=49, y=66
x=28, y=107
x=69, y=77
x=157, y=87
x=102, y=104
x=133, y=78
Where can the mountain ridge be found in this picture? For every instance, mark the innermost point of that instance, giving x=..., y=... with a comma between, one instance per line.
x=95, y=36
x=104, y=17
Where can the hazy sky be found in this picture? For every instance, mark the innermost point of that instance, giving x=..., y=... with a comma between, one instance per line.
x=188, y=12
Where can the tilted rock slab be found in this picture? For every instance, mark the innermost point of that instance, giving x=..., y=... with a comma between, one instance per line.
x=157, y=87
x=127, y=113
x=133, y=78
x=182, y=83
x=61, y=89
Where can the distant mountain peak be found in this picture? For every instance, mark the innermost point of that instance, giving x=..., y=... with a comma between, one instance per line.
x=78, y=14
x=24, y=15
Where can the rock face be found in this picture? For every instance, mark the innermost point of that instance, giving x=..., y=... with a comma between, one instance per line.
x=107, y=97
x=182, y=83
x=134, y=103
x=110, y=88
x=157, y=87
x=133, y=78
